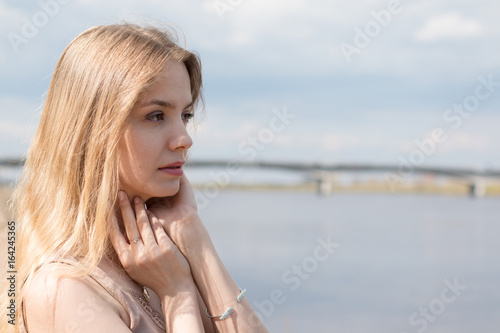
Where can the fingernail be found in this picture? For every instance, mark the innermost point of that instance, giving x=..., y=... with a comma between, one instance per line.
x=137, y=200
x=121, y=194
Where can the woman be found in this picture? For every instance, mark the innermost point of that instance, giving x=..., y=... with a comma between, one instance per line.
x=112, y=141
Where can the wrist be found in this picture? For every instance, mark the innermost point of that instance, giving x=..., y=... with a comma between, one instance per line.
x=181, y=297
x=176, y=290
x=181, y=309
x=191, y=237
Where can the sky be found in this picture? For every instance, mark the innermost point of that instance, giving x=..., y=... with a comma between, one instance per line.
x=384, y=82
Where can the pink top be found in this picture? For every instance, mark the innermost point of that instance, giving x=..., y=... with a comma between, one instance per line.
x=143, y=318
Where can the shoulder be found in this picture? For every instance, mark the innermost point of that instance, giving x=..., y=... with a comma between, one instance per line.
x=54, y=302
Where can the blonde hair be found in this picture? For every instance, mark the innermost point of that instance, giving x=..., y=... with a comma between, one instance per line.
x=66, y=197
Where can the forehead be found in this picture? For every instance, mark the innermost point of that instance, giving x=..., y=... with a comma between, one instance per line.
x=173, y=84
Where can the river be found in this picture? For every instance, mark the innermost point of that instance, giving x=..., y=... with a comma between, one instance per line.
x=362, y=263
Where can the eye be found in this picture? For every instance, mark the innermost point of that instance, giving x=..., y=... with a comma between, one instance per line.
x=155, y=117
x=186, y=117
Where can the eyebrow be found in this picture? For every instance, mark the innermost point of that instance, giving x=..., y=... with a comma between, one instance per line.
x=165, y=104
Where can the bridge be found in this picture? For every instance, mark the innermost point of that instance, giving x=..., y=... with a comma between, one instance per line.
x=322, y=173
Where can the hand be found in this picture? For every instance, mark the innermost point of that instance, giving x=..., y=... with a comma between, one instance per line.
x=179, y=216
x=150, y=258
x=181, y=206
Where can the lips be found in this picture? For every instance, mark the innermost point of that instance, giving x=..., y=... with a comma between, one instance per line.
x=174, y=165
x=174, y=169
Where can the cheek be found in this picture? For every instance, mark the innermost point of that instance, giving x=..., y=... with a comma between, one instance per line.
x=139, y=157
x=130, y=161
x=140, y=151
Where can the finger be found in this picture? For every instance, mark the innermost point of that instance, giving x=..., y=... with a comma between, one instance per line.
x=184, y=184
x=159, y=233
x=117, y=240
x=143, y=223
x=128, y=217
x=186, y=192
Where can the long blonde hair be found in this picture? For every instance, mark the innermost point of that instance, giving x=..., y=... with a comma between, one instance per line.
x=66, y=197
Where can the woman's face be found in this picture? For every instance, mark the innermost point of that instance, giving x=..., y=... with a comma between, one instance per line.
x=155, y=141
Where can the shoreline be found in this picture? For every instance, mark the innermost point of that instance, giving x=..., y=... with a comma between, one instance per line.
x=490, y=190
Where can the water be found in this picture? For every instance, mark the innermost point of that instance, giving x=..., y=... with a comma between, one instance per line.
x=398, y=255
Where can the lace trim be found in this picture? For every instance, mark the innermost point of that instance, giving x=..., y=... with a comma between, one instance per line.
x=157, y=317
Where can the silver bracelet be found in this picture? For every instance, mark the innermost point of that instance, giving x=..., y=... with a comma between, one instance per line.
x=230, y=309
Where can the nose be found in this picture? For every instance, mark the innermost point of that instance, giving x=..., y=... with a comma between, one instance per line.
x=180, y=139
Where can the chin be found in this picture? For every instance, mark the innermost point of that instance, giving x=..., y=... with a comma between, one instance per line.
x=167, y=190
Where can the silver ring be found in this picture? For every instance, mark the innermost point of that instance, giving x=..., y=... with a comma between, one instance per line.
x=136, y=240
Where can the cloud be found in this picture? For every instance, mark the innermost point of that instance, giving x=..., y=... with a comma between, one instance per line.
x=339, y=141
x=467, y=142
x=451, y=25
x=18, y=119
x=265, y=54
x=13, y=130
x=10, y=18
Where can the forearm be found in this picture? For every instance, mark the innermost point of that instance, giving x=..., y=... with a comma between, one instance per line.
x=217, y=287
x=181, y=311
